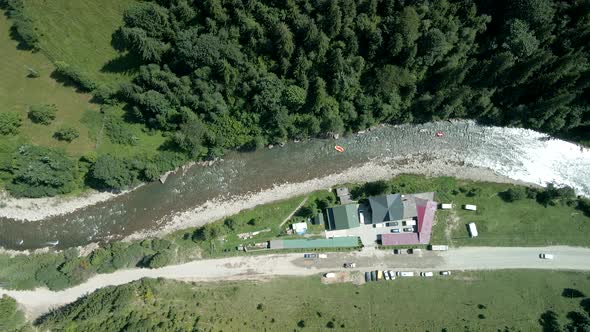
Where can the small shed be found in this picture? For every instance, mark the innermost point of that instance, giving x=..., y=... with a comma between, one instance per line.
x=470, y=207
x=446, y=206
x=300, y=227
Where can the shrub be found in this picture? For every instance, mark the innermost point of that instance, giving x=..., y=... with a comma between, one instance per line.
x=113, y=172
x=514, y=194
x=67, y=134
x=39, y=172
x=160, y=259
x=22, y=23
x=11, y=319
x=118, y=132
x=42, y=114
x=76, y=75
x=9, y=123
x=584, y=205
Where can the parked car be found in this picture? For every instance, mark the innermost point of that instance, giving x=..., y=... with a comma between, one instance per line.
x=378, y=225
x=415, y=250
x=405, y=274
x=386, y=275
x=445, y=273
x=408, y=229
x=330, y=275
x=395, y=230
x=373, y=275
x=391, y=275
x=426, y=274
x=310, y=255
x=393, y=223
x=379, y=274
x=349, y=265
x=546, y=256
x=367, y=276
x=399, y=251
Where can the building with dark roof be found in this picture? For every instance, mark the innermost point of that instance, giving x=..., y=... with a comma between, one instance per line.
x=386, y=208
x=342, y=217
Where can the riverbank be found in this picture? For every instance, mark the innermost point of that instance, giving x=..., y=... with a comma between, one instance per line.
x=504, y=153
x=417, y=164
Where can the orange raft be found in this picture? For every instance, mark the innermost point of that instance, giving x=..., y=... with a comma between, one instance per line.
x=339, y=148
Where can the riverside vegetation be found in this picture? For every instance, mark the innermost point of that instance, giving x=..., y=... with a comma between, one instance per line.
x=522, y=222
x=193, y=79
x=506, y=301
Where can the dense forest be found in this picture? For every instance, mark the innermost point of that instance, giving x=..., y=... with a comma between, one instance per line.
x=239, y=74
x=227, y=74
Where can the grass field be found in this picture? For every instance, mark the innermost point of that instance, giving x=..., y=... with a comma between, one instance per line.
x=499, y=223
x=18, y=92
x=482, y=301
x=79, y=33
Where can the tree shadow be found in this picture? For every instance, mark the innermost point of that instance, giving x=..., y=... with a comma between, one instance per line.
x=549, y=321
x=66, y=81
x=126, y=63
x=585, y=304
x=21, y=45
x=117, y=40
x=572, y=293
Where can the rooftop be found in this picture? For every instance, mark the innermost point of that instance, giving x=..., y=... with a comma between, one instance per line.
x=337, y=242
x=343, y=217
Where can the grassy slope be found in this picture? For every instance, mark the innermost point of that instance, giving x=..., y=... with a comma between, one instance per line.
x=513, y=300
x=17, y=93
x=79, y=33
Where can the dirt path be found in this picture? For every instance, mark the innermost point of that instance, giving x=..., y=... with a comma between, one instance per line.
x=39, y=301
x=294, y=211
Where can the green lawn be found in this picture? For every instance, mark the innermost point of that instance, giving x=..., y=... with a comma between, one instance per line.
x=520, y=223
x=482, y=301
x=79, y=33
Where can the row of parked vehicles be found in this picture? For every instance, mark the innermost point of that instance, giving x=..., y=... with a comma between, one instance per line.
x=391, y=275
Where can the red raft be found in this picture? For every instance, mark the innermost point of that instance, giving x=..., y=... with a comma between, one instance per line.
x=339, y=148
x=439, y=134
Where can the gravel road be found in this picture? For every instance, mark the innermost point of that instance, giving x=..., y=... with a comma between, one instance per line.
x=40, y=301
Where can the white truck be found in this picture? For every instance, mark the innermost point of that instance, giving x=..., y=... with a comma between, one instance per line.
x=470, y=207
x=439, y=247
x=472, y=229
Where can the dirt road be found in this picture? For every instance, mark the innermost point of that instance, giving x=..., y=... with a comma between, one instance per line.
x=40, y=301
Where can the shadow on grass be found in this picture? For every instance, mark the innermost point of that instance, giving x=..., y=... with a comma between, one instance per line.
x=126, y=63
x=66, y=81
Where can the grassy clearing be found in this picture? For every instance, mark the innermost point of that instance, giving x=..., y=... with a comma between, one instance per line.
x=482, y=301
x=19, y=92
x=79, y=33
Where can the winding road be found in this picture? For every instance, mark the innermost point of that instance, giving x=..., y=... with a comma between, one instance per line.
x=39, y=301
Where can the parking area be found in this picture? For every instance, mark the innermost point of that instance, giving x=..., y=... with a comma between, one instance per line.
x=369, y=233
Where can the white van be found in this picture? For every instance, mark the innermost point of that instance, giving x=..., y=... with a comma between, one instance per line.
x=405, y=274
x=426, y=274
